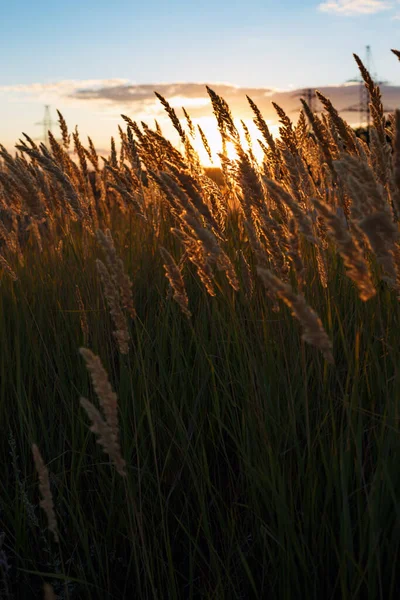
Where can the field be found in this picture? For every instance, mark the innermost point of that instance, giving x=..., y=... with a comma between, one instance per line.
x=200, y=382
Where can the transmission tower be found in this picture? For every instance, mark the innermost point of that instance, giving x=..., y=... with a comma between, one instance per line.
x=47, y=124
x=308, y=94
x=363, y=107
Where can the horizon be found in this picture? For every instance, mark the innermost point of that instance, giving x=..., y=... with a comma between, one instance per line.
x=147, y=108
x=78, y=67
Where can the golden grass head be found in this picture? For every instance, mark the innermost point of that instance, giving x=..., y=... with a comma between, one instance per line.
x=108, y=429
x=176, y=281
x=313, y=330
x=44, y=486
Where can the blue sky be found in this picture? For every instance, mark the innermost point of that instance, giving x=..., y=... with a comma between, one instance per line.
x=252, y=43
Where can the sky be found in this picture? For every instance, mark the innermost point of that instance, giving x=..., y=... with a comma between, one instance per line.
x=95, y=59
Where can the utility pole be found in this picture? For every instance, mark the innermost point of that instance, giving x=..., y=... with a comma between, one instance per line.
x=47, y=124
x=307, y=94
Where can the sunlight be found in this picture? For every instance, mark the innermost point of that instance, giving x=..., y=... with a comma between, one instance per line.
x=210, y=130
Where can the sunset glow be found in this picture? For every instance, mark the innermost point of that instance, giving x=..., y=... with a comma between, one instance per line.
x=210, y=129
x=200, y=299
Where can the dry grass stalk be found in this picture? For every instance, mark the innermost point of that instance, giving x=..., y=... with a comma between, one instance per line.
x=249, y=141
x=7, y=269
x=275, y=236
x=383, y=235
x=92, y=155
x=340, y=124
x=367, y=193
x=44, y=486
x=205, y=143
x=64, y=130
x=102, y=386
x=34, y=228
x=180, y=200
x=286, y=130
x=301, y=129
x=158, y=127
x=322, y=267
x=108, y=429
x=320, y=133
x=249, y=181
x=357, y=267
x=213, y=251
x=47, y=162
x=106, y=438
x=113, y=160
x=380, y=157
x=261, y=124
x=189, y=122
x=194, y=192
x=176, y=281
x=196, y=254
x=304, y=223
x=246, y=275
x=80, y=151
x=376, y=105
x=314, y=332
x=216, y=200
x=83, y=318
x=260, y=252
x=58, y=152
x=117, y=271
x=294, y=254
x=396, y=53
x=112, y=296
x=224, y=118
x=192, y=157
x=173, y=116
x=297, y=176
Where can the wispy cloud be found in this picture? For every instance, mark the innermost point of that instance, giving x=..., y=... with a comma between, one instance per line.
x=113, y=95
x=350, y=8
x=58, y=89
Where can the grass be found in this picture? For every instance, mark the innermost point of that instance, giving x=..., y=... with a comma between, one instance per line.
x=255, y=468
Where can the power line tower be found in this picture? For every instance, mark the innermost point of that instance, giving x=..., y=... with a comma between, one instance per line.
x=47, y=124
x=362, y=107
x=308, y=94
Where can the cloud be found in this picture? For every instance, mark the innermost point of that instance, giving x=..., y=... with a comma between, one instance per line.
x=350, y=8
x=108, y=98
x=57, y=90
x=141, y=101
x=95, y=101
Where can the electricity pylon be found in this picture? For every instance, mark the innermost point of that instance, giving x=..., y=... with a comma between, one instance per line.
x=362, y=107
x=47, y=124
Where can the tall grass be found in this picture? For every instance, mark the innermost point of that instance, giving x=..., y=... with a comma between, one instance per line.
x=239, y=364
